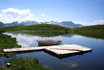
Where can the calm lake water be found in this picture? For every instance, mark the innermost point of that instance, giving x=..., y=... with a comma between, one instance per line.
x=88, y=61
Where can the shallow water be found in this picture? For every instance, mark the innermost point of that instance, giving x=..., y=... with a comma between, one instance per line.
x=89, y=61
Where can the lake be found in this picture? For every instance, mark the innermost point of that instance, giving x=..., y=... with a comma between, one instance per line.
x=88, y=61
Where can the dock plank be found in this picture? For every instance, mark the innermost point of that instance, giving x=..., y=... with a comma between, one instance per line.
x=23, y=49
x=59, y=49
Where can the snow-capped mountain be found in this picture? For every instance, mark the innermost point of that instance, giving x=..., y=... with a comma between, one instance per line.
x=29, y=23
x=69, y=24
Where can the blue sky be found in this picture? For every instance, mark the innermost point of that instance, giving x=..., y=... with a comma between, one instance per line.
x=79, y=11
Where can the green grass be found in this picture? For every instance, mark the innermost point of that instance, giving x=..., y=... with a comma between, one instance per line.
x=48, y=30
x=96, y=31
x=25, y=63
x=7, y=42
x=38, y=27
x=45, y=30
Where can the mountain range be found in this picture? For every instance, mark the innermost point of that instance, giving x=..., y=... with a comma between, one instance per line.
x=69, y=24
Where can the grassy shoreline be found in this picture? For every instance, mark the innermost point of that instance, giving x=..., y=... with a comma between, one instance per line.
x=48, y=30
x=7, y=42
x=96, y=31
x=25, y=63
x=41, y=33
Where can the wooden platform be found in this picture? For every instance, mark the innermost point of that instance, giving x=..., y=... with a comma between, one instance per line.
x=59, y=49
x=67, y=49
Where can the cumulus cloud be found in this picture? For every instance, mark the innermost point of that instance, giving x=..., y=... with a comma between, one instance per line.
x=12, y=14
x=97, y=22
x=16, y=11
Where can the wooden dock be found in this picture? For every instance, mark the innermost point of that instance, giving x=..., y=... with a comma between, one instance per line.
x=22, y=49
x=59, y=49
x=68, y=49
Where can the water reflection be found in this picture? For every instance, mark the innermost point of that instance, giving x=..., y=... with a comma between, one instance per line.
x=65, y=55
x=26, y=40
x=88, y=61
x=42, y=33
x=72, y=64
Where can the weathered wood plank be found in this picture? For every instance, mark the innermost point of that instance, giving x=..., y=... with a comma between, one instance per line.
x=59, y=49
x=23, y=49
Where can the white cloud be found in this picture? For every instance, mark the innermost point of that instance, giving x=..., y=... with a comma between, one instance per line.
x=12, y=10
x=11, y=14
x=97, y=22
x=42, y=15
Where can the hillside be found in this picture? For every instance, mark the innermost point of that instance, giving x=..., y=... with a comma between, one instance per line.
x=96, y=31
x=38, y=27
